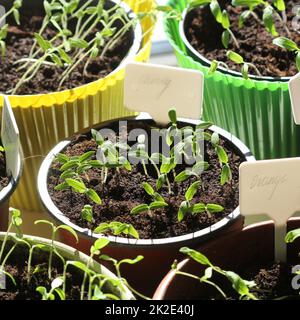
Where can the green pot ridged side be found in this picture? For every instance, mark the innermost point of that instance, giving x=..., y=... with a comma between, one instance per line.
x=257, y=112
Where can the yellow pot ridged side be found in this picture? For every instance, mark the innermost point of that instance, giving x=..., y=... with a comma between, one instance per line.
x=46, y=119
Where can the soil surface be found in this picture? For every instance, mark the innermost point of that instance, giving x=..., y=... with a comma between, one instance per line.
x=19, y=42
x=17, y=267
x=4, y=179
x=256, y=46
x=123, y=191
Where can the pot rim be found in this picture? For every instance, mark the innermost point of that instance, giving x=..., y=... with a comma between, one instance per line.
x=73, y=254
x=206, y=62
x=7, y=191
x=120, y=241
x=131, y=54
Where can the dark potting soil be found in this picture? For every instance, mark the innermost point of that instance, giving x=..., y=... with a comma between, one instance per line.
x=123, y=191
x=19, y=42
x=4, y=179
x=256, y=46
x=274, y=281
x=17, y=267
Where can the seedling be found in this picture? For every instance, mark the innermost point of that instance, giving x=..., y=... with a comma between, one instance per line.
x=187, y=207
x=238, y=59
x=241, y=286
x=54, y=231
x=289, y=45
x=117, y=228
x=149, y=208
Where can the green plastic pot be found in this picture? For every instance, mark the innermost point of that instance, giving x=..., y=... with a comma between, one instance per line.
x=257, y=111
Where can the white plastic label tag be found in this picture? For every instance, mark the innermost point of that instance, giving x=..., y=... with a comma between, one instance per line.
x=271, y=187
x=156, y=89
x=10, y=139
x=294, y=87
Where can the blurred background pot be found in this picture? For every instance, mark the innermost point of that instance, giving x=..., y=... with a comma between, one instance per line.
x=258, y=111
x=159, y=253
x=238, y=251
x=46, y=119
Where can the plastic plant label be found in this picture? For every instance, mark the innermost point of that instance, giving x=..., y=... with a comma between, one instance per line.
x=156, y=89
x=10, y=139
x=294, y=87
x=271, y=187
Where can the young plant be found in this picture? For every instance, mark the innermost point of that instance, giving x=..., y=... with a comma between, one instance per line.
x=72, y=169
x=289, y=45
x=238, y=59
x=149, y=208
x=117, y=228
x=55, y=288
x=187, y=207
x=241, y=286
x=52, y=248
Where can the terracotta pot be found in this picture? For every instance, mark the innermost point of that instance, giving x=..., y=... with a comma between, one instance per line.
x=72, y=254
x=159, y=253
x=251, y=247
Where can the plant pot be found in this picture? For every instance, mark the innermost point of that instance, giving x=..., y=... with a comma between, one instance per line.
x=6, y=194
x=72, y=254
x=252, y=247
x=46, y=119
x=258, y=111
x=159, y=253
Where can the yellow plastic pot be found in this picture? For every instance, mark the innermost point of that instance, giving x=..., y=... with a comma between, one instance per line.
x=46, y=119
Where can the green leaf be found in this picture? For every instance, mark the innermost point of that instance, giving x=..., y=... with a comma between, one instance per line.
x=76, y=185
x=286, y=43
x=78, y=43
x=44, y=44
x=183, y=209
x=279, y=4
x=86, y=156
x=140, y=208
x=101, y=243
x=173, y=116
x=225, y=38
x=238, y=284
x=56, y=59
x=203, y=126
x=298, y=61
x=213, y=66
x=183, y=176
x=197, y=256
x=148, y=188
x=268, y=20
x=198, y=208
x=226, y=174
x=16, y=14
x=133, y=232
x=64, y=56
x=191, y=191
x=235, y=57
x=222, y=155
x=161, y=181
x=225, y=20
x=214, y=208
x=200, y=166
x=158, y=205
x=215, y=139
x=87, y=213
x=245, y=71
x=292, y=236
x=61, y=187
x=92, y=194
x=216, y=11
x=79, y=265
x=69, y=165
x=198, y=3
x=247, y=3
x=70, y=230
x=62, y=158
x=103, y=227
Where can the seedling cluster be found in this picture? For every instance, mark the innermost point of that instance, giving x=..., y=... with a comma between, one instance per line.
x=168, y=171
x=95, y=286
x=82, y=32
x=246, y=290
x=265, y=13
